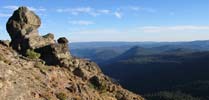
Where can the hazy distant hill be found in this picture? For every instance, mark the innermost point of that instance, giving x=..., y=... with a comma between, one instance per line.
x=96, y=50
x=100, y=54
x=153, y=73
x=200, y=45
x=177, y=70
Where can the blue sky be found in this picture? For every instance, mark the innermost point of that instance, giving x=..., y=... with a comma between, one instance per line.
x=116, y=20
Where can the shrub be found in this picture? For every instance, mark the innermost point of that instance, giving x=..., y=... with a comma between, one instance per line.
x=97, y=84
x=32, y=54
x=61, y=96
x=1, y=58
x=42, y=67
x=174, y=95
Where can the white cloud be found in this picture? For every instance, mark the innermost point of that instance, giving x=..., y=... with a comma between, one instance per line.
x=135, y=8
x=84, y=10
x=76, y=11
x=144, y=33
x=98, y=31
x=11, y=7
x=139, y=8
x=41, y=9
x=104, y=11
x=158, y=29
x=118, y=14
x=14, y=7
x=4, y=15
x=37, y=9
x=147, y=29
x=81, y=22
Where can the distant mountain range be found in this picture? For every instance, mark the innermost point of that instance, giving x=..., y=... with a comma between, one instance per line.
x=199, y=44
x=154, y=68
x=96, y=50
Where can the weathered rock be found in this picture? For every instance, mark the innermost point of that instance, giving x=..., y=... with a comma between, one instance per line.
x=81, y=73
x=49, y=35
x=38, y=42
x=31, y=80
x=26, y=79
x=22, y=28
x=5, y=42
x=96, y=81
x=62, y=40
x=55, y=54
x=22, y=22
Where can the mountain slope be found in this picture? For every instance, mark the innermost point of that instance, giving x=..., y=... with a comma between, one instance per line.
x=24, y=78
x=34, y=67
x=153, y=73
x=98, y=55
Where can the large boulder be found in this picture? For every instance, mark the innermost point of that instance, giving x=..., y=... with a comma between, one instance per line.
x=21, y=26
x=62, y=40
x=57, y=53
x=22, y=22
x=40, y=41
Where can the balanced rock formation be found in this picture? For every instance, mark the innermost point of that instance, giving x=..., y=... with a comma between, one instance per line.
x=61, y=77
x=22, y=22
x=23, y=26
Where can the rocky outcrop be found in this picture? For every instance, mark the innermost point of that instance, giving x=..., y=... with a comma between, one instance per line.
x=55, y=54
x=22, y=22
x=23, y=26
x=5, y=42
x=61, y=77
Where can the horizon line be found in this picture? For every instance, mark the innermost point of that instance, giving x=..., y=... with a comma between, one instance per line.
x=138, y=41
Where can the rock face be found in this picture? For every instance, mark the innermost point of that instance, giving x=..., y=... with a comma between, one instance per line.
x=61, y=77
x=23, y=26
x=22, y=22
x=55, y=54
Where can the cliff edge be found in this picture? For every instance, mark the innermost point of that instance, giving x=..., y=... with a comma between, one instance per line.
x=34, y=67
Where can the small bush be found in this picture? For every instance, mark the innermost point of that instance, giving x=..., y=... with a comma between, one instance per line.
x=61, y=96
x=42, y=67
x=1, y=58
x=32, y=54
x=97, y=84
x=102, y=88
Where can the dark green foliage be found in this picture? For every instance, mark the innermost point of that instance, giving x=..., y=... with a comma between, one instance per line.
x=153, y=67
x=32, y=54
x=165, y=95
x=170, y=71
x=97, y=84
x=61, y=96
x=1, y=58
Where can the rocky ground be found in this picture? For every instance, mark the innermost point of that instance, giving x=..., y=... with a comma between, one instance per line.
x=34, y=67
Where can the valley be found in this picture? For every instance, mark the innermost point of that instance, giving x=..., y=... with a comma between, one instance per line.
x=156, y=69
